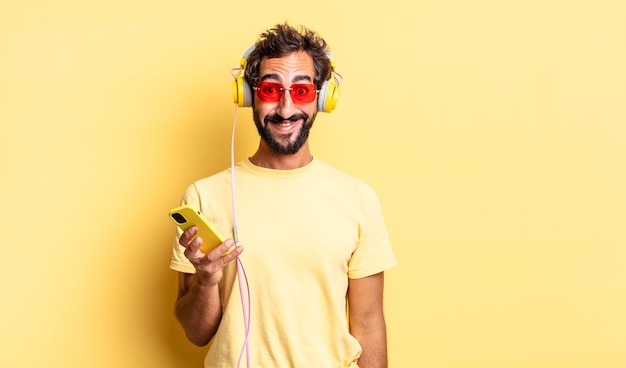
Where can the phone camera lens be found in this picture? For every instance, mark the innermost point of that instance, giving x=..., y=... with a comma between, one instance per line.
x=179, y=218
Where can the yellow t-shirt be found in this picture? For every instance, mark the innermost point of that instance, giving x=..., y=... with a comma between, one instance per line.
x=304, y=232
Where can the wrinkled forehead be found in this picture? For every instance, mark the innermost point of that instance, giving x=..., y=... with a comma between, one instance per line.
x=296, y=67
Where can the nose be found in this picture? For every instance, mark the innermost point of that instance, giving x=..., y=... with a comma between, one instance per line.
x=286, y=107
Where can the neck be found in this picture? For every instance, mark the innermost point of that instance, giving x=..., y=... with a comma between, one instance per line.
x=265, y=157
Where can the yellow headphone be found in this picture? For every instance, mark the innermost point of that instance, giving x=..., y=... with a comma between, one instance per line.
x=327, y=96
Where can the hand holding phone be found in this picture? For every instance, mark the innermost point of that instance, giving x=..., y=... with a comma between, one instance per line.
x=186, y=216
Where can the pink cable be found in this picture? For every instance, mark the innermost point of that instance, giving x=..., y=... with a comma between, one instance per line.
x=241, y=272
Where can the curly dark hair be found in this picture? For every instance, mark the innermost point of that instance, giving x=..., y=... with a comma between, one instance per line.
x=284, y=39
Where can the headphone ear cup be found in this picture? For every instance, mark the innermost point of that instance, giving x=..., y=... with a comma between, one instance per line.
x=242, y=95
x=328, y=96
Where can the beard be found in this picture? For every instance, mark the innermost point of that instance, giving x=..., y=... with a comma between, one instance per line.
x=292, y=145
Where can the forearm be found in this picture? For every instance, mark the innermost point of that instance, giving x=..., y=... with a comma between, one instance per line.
x=373, y=340
x=199, y=311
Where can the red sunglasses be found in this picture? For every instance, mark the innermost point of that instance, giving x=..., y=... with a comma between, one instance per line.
x=273, y=92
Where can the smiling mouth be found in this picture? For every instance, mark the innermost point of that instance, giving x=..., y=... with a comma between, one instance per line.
x=284, y=123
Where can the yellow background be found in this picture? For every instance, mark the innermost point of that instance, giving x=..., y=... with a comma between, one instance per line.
x=492, y=130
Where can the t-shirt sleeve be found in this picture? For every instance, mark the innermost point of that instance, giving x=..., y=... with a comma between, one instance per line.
x=373, y=253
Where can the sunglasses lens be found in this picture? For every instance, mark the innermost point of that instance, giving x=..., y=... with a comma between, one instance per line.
x=303, y=92
x=269, y=92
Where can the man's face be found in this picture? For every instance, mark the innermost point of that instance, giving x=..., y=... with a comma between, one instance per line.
x=285, y=124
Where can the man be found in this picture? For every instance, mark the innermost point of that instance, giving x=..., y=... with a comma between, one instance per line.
x=315, y=240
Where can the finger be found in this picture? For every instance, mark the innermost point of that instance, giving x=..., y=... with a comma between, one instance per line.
x=223, y=259
x=234, y=253
x=187, y=236
x=193, y=252
x=220, y=250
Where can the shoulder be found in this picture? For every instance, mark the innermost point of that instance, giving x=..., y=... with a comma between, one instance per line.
x=213, y=179
x=208, y=184
x=344, y=181
x=338, y=174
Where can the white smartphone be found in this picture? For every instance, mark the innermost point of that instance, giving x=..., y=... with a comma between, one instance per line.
x=186, y=216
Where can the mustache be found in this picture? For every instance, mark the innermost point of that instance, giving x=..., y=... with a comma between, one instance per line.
x=276, y=118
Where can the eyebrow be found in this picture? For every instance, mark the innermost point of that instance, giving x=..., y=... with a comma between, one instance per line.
x=296, y=79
